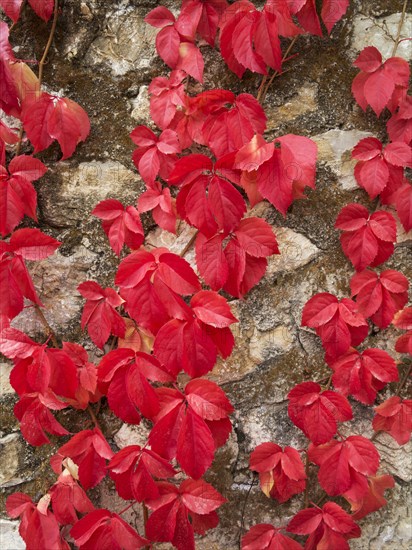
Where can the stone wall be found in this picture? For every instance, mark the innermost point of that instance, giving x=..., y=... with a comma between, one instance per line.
x=104, y=58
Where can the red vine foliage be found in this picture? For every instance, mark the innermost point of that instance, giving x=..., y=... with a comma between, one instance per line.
x=166, y=330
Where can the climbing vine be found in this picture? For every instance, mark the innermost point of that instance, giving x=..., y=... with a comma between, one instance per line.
x=164, y=324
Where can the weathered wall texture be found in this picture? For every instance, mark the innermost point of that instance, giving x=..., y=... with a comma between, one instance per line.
x=104, y=58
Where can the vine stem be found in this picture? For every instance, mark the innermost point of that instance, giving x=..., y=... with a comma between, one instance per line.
x=49, y=41
x=127, y=508
x=93, y=417
x=41, y=65
x=261, y=87
x=242, y=520
x=398, y=35
x=307, y=465
x=145, y=520
x=189, y=243
x=262, y=96
x=404, y=380
x=46, y=325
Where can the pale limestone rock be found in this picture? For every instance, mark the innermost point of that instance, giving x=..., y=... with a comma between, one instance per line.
x=334, y=148
x=131, y=435
x=178, y=244
x=381, y=33
x=395, y=459
x=83, y=187
x=9, y=536
x=295, y=251
x=5, y=386
x=97, y=179
x=11, y=449
x=141, y=106
x=126, y=44
x=303, y=102
x=390, y=527
x=268, y=344
x=56, y=279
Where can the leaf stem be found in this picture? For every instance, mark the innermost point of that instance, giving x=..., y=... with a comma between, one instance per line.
x=127, y=508
x=93, y=417
x=18, y=146
x=189, y=244
x=277, y=73
x=49, y=41
x=145, y=516
x=307, y=465
x=404, y=380
x=242, y=520
x=398, y=35
x=261, y=87
x=46, y=325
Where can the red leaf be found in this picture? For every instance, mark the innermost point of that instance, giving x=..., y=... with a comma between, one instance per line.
x=266, y=537
x=266, y=39
x=378, y=83
x=123, y=376
x=155, y=154
x=398, y=154
x=317, y=412
x=134, y=471
x=167, y=45
x=166, y=95
x=394, y=416
x=338, y=324
x=329, y=527
x=169, y=520
x=160, y=17
x=185, y=425
x=38, y=526
x=254, y=153
x=17, y=504
x=190, y=60
x=283, y=177
x=67, y=498
x=281, y=472
x=36, y=419
x=369, y=60
x=89, y=450
x=195, y=445
x=99, y=314
x=404, y=205
x=107, y=528
x=43, y=8
x=49, y=118
x=14, y=343
x=333, y=11
x=207, y=399
x=403, y=319
x=11, y=8
x=212, y=309
x=345, y=465
x=32, y=244
x=374, y=499
x=362, y=375
x=121, y=225
x=399, y=126
x=368, y=240
x=380, y=296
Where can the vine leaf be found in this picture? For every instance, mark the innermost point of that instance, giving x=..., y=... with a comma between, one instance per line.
x=329, y=527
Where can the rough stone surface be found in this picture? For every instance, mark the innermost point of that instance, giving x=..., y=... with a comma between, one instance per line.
x=381, y=33
x=9, y=536
x=334, y=149
x=104, y=57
